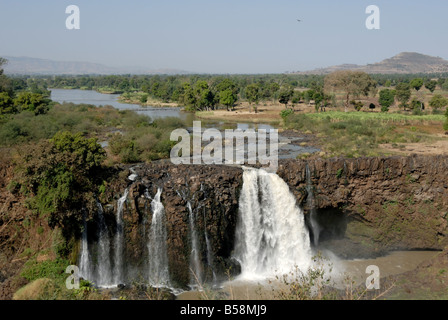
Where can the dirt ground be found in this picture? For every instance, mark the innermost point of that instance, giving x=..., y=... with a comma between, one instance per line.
x=436, y=148
x=266, y=113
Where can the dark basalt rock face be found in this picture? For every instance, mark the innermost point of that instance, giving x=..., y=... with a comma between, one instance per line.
x=212, y=192
x=383, y=204
x=390, y=203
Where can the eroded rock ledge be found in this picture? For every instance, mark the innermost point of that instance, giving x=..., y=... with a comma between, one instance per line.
x=384, y=203
x=392, y=202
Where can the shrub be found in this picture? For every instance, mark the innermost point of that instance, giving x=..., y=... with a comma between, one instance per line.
x=6, y=104
x=143, y=98
x=286, y=113
x=35, y=102
x=52, y=269
x=357, y=105
x=58, y=176
x=438, y=102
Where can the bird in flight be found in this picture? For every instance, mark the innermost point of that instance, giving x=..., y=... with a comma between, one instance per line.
x=299, y=20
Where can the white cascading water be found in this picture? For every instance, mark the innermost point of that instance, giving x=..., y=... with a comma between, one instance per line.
x=195, y=263
x=157, y=248
x=209, y=252
x=84, y=260
x=271, y=236
x=118, y=261
x=104, y=271
x=310, y=202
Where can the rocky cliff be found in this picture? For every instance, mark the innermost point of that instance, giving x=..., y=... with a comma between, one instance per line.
x=212, y=192
x=365, y=206
x=386, y=203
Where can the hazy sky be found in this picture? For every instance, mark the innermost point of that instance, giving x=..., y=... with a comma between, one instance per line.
x=223, y=36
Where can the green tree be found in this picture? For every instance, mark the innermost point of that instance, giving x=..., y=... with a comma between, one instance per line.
x=59, y=176
x=188, y=97
x=386, y=99
x=227, y=84
x=3, y=61
x=438, y=101
x=444, y=86
x=417, y=106
x=309, y=95
x=353, y=83
x=6, y=104
x=5, y=82
x=204, y=96
x=35, y=102
x=253, y=95
x=228, y=98
x=431, y=85
x=285, y=95
x=445, y=125
x=403, y=93
x=227, y=93
x=87, y=151
x=416, y=84
x=297, y=97
x=321, y=99
x=273, y=89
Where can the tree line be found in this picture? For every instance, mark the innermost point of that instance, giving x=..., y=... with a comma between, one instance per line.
x=209, y=92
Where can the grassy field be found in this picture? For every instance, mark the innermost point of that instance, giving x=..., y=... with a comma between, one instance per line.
x=394, y=118
x=357, y=134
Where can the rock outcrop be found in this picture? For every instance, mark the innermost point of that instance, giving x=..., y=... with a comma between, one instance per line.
x=389, y=203
x=212, y=192
x=367, y=206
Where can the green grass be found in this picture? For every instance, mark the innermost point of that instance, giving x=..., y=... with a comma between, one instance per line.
x=358, y=134
x=34, y=270
x=377, y=116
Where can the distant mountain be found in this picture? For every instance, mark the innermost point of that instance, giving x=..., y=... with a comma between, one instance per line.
x=403, y=63
x=34, y=66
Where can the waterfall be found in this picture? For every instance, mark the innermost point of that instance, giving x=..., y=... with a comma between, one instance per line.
x=311, y=205
x=195, y=263
x=118, y=266
x=209, y=255
x=157, y=249
x=84, y=263
x=209, y=251
x=104, y=271
x=271, y=236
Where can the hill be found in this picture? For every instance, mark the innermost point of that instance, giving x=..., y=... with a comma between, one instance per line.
x=34, y=66
x=403, y=63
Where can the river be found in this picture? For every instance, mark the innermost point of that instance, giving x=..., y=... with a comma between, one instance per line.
x=289, y=148
x=342, y=272
x=101, y=99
